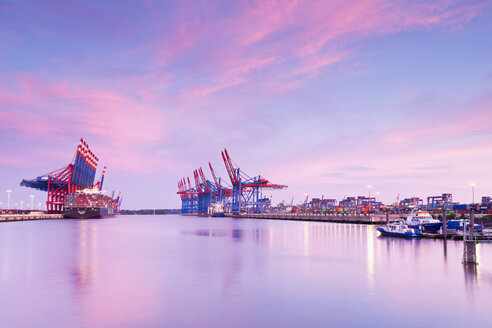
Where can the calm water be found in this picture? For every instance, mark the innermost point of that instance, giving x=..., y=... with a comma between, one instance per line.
x=172, y=271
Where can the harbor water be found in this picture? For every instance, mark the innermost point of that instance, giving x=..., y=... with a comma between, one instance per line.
x=174, y=271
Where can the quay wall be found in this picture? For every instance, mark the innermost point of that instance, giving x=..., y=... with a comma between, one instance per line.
x=341, y=218
x=27, y=217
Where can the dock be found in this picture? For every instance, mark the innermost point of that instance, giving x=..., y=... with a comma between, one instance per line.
x=339, y=218
x=485, y=236
x=28, y=217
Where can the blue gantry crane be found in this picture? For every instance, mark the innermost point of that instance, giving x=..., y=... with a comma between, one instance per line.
x=244, y=195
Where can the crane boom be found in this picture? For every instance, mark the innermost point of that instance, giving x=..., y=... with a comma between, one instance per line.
x=236, y=178
x=197, y=181
x=229, y=169
x=204, y=180
x=213, y=175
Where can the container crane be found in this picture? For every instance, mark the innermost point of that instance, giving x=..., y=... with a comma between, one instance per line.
x=245, y=193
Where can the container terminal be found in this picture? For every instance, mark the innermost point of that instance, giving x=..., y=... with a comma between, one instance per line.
x=72, y=191
x=243, y=196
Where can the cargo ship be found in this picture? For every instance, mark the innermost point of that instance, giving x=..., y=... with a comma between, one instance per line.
x=216, y=209
x=90, y=203
x=72, y=189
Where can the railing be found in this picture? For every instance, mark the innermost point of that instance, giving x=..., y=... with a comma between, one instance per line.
x=486, y=236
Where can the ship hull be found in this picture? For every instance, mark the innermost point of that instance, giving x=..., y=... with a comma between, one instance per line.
x=218, y=214
x=89, y=213
x=427, y=227
x=407, y=234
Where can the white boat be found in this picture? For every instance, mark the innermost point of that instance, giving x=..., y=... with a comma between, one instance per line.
x=424, y=221
x=399, y=229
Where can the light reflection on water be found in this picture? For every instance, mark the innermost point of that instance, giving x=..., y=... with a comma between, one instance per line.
x=370, y=261
x=172, y=271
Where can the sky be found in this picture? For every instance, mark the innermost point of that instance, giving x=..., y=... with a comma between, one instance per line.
x=326, y=97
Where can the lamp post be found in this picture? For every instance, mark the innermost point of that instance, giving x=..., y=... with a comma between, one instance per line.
x=377, y=196
x=473, y=192
x=22, y=204
x=39, y=206
x=8, y=199
x=32, y=202
x=369, y=187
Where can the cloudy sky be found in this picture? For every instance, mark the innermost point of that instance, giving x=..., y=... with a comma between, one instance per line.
x=324, y=96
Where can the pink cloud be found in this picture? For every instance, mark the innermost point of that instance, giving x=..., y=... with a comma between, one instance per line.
x=208, y=82
x=417, y=155
x=27, y=125
x=314, y=63
x=39, y=109
x=235, y=74
x=319, y=33
x=475, y=116
x=263, y=18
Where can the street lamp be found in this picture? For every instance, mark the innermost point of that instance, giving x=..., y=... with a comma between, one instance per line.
x=8, y=199
x=369, y=188
x=32, y=202
x=22, y=205
x=473, y=192
x=39, y=206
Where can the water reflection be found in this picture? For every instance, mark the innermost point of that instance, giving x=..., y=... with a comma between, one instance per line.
x=370, y=261
x=342, y=241
x=5, y=257
x=445, y=249
x=87, y=253
x=471, y=275
x=196, y=272
x=478, y=274
x=306, y=239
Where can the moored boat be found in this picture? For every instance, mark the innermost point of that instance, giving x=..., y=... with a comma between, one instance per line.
x=90, y=203
x=216, y=209
x=89, y=213
x=458, y=225
x=399, y=229
x=422, y=220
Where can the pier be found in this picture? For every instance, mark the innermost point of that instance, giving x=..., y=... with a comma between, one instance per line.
x=28, y=217
x=339, y=218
